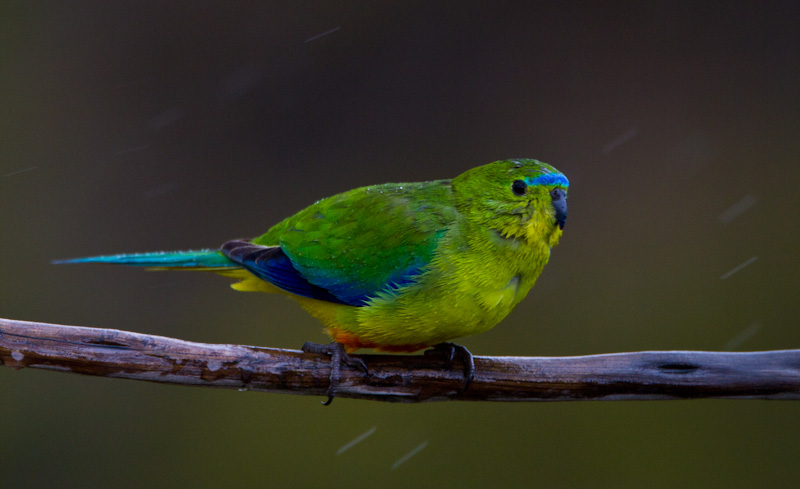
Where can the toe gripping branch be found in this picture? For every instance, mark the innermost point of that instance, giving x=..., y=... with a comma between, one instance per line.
x=338, y=357
x=449, y=351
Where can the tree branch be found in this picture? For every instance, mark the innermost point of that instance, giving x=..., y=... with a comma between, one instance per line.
x=408, y=378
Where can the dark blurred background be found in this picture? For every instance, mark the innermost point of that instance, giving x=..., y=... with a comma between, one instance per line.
x=138, y=126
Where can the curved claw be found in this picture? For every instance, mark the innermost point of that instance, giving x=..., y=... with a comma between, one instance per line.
x=338, y=357
x=450, y=350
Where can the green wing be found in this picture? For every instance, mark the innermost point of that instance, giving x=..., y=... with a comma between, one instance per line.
x=368, y=240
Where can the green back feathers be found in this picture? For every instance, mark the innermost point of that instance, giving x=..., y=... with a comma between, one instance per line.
x=367, y=240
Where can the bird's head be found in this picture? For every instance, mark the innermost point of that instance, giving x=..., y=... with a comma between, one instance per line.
x=519, y=198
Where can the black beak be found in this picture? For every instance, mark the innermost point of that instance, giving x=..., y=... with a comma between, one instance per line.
x=560, y=206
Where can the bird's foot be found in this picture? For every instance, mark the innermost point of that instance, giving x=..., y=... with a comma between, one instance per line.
x=450, y=350
x=338, y=357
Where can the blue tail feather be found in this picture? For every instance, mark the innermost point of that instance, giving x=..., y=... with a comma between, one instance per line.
x=163, y=259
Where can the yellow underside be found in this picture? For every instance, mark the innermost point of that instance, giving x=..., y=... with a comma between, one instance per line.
x=327, y=312
x=402, y=323
x=359, y=327
x=461, y=294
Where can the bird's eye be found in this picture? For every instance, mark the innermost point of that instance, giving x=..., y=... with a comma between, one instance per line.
x=518, y=187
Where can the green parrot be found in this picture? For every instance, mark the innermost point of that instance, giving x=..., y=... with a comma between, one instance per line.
x=401, y=266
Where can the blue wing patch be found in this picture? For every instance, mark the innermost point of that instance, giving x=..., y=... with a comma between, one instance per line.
x=337, y=282
x=270, y=263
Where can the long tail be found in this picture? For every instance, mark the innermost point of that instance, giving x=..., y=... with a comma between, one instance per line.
x=200, y=260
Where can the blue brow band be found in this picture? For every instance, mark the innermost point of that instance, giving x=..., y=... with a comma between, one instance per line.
x=548, y=179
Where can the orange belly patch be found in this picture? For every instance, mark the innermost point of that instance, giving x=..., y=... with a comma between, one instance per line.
x=352, y=343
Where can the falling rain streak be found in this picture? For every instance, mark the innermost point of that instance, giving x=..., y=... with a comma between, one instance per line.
x=363, y=436
x=740, y=338
x=19, y=171
x=323, y=34
x=738, y=268
x=410, y=454
x=737, y=209
x=622, y=139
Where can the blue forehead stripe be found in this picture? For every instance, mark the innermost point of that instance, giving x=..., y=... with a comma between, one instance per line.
x=548, y=179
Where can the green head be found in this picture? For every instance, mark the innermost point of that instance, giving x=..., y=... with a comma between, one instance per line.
x=520, y=198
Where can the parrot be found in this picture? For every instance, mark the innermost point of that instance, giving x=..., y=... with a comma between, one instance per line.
x=399, y=267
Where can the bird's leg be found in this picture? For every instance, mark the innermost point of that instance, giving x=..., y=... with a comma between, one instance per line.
x=450, y=350
x=338, y=357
